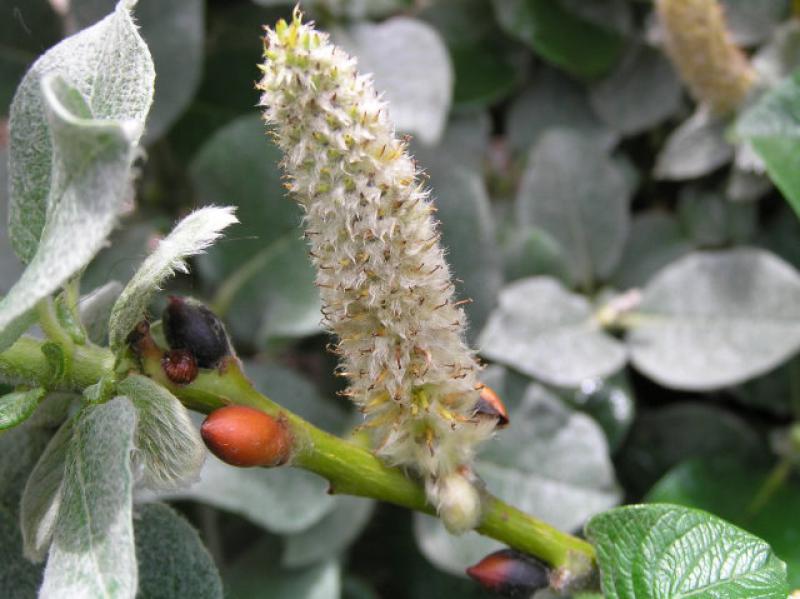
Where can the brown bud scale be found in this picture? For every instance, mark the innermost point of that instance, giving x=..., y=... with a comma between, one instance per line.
x=243, y=436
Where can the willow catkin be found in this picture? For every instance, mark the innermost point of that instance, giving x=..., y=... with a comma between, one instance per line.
x=699, y=45
x=385, y=286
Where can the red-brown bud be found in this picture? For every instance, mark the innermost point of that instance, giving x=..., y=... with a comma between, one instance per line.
x=489, y=404
x=180, y=366
x=243, y=436
x=510, y=573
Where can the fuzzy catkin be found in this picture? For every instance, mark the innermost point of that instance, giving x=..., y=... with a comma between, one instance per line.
x=697, y=41
x=385, y=286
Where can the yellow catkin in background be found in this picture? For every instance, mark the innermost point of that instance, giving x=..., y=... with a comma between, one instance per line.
x=697, y=40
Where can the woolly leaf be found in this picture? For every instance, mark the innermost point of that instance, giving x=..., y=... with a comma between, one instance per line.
x=660, y=551
x=16, y=407
x=695, y=148
x=95, y=308
x=93, y=554
x=19, y=578
x=718, y=318
x=543, y=330
x=189, y=237
x=171, y=557
x=41, y=499
x=168, y=446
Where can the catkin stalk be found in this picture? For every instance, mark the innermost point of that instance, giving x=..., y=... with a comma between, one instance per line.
x=386, y=289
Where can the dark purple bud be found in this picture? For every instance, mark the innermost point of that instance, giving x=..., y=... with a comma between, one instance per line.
x=189, y=325
x=511, y=573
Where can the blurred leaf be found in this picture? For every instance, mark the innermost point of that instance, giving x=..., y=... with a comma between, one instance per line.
x=465, y=142
x=772, y=393
x=640, y=93
x=174, y=33
x=780, y=233
x=93, y=552
x=468, y=233
x=656, y=239
x=662, y=438
x=19, y=578
x=190, y=236
x=653, y=551
x=264, y=281
x=394, y=52
x=554, y=101
x=744, y=186
x=19, y=451
x=16, y=407
x=615, y=15
x=95, y=309
x=533, y=252
x=168, y=446
x=43, y=493
x=296, y=393
x=126, y=249
x=717, y=318
x=752, y=23
x=772, y=126
x=780, y=55
x=574, y=191
x=330, y=536
x=171, y=557
x=610, y=402
x=728, y=488
x=580, y=47
x=551, y=462
x=485, y=68
x=545, y=331
x=352, y=9
x=695, y=148
x=253, y=578
x=27, y=30
x=712, y=221
x=281, y=500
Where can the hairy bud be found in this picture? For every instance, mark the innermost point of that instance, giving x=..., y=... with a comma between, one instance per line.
x=385, y=286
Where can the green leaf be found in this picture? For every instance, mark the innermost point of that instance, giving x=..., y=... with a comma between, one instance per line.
x=662, y=438
x=25, y=28
x=728, y=488
x=16, y=407
x=171, y=557
x=548, y=333
x=330, y=536
x=695, y=148
x=640, y=93
x=42, y=497
x=553, y=101
x=93, y=552
x=19, y=578
x=393, y=51
x=772, y=126
x=656, y=239
x=575, y=192
x=714, y=319
x=168, y=446
x=189, y=237
x=580, y=47
x=53, y=131
x=263, y=280
x=174, y=33
x=663, y=551
x=552, y=462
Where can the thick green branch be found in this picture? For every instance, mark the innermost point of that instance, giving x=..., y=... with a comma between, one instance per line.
x=350, y=468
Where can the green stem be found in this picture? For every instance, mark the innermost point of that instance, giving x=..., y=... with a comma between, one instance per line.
x=350, y=468
x=770, y=486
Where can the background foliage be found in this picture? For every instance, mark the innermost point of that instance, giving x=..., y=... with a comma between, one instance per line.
x=569, y=167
